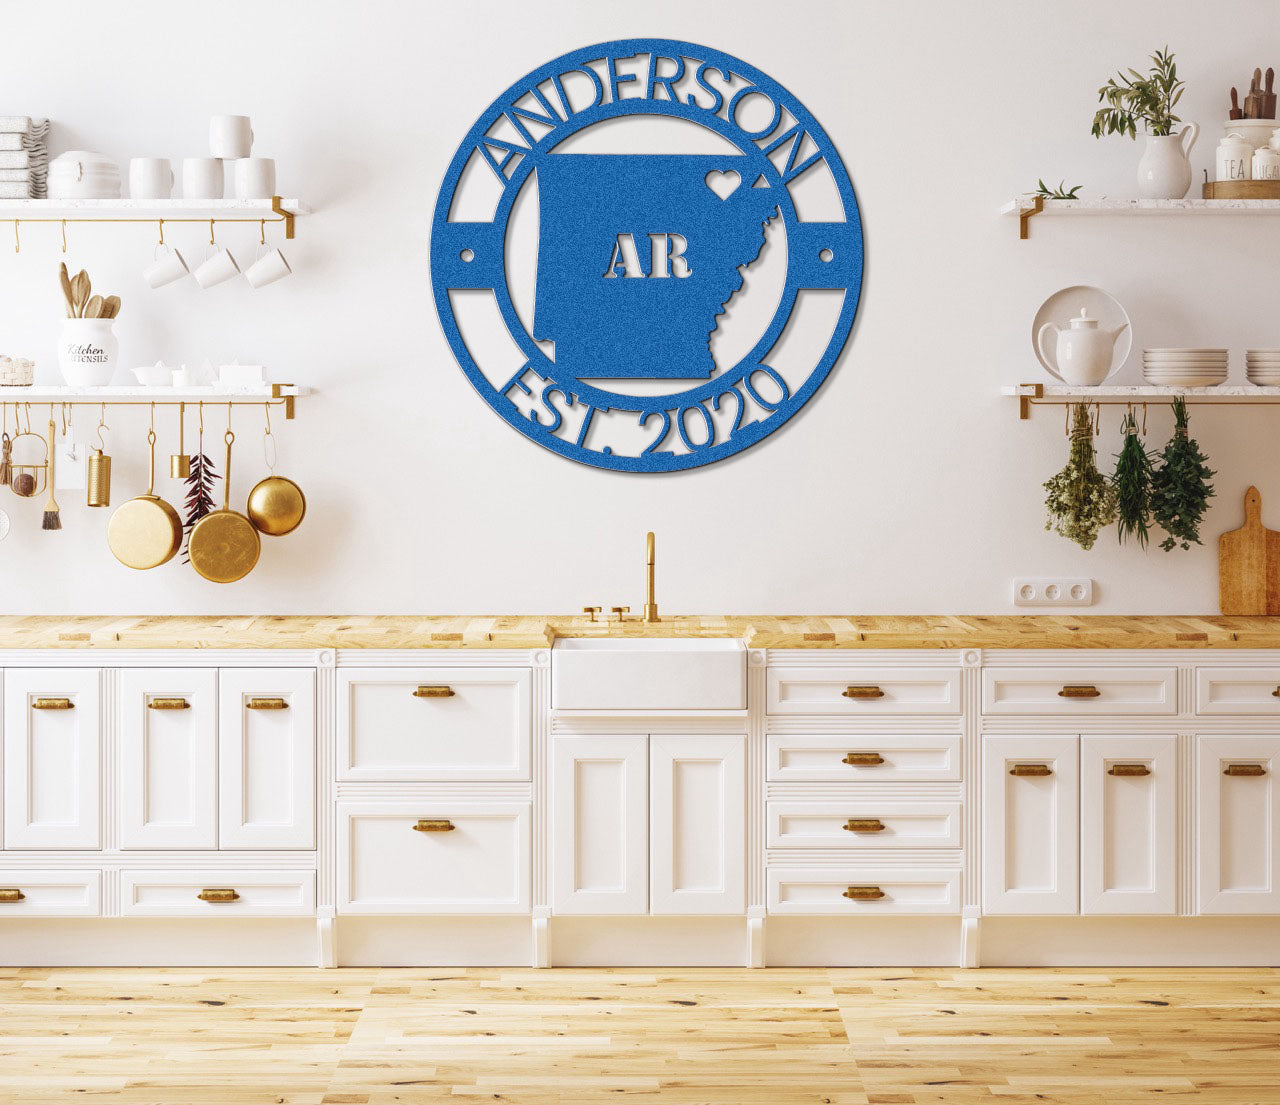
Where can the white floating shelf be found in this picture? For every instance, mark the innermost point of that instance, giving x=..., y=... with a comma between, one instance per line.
x=1028, y=207
x=276, y=209
x=1034, y=395
x=137, y=395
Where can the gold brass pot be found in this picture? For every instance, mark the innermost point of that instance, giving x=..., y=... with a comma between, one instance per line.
x=276, y=506
x=145, y=532
x=224, y=546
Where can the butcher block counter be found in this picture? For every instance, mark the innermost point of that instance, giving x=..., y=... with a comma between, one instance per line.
x=537, y=631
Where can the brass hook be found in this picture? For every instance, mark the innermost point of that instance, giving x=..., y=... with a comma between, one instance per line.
x=268, y=441
x=27, y=412
x=160, y=224
x=262, y=232
x=64, y=235
x=1144, y=420
x=1066, y=419
x=67, y=420
x=228, y=416
x=17, y=239
x=202, y=416
x=212, y=242
x=102, y=425
x=1097, y=419
x=153, y=418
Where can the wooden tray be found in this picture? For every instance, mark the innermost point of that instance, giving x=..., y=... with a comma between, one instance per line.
x=1242, y=190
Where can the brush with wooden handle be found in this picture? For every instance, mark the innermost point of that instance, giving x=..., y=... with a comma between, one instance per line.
x=52, y=517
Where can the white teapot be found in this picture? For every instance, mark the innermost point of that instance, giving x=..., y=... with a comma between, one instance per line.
x=1082, y=355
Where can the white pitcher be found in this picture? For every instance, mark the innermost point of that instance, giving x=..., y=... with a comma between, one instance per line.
x=1164, y=173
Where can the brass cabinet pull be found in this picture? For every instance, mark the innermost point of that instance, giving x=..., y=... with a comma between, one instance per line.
x=862, y=759
x=1124, y=770
x=11, y=894
x=864, y=893
x=433, y=692
x=1276, y=693
x=218, y=894
x=1079, y=690
x=1033, y=771
x=266, y=704
x=53, y=704
x=1248, y=770
x=870, y=691
x=864, y=825
x=168, y=704
x=434, y=825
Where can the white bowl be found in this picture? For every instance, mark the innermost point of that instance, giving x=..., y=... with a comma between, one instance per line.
x=154, y=375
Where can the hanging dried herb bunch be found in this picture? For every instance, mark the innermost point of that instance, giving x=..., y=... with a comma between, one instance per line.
x=199, y=501
x=1132, y=481
x=1080, y=501
x=1181, y=490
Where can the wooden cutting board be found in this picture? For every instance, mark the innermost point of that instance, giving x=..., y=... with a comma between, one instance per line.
x=1249, y=564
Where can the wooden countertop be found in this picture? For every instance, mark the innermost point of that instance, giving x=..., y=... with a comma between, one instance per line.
x=532, y=631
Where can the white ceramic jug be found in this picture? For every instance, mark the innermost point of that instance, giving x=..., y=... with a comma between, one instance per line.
x=1082, y=355
x=1164, y=173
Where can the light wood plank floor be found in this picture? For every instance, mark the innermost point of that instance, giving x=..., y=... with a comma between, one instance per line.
x=687, y=1037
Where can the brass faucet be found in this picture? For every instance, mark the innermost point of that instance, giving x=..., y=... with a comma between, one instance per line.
x=650, y=602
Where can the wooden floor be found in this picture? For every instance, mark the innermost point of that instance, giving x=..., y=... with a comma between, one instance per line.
x=776, y=1037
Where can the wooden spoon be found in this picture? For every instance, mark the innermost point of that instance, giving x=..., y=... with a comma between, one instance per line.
x=93, y=309
x=110, y=307
x=80, y=292
x=65, y=280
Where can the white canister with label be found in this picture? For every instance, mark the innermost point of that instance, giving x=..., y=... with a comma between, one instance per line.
x=1266, y=164
x=1234, y=157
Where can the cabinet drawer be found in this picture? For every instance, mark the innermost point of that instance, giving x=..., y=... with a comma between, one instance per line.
x=471, y=857
x=874, y=759
x=434, y=724
x=862, y=823
x=863, y=692
x=1079, y=692
x=217, y=893
x=50, y=894
x=887, y=890
x=1238, y=691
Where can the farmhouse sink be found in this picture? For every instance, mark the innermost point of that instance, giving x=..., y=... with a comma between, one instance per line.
x=648, y=673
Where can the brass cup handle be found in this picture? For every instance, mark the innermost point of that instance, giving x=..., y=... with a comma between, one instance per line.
x=1245, y=770
x=53, y=704
x=1031, y=771
x=267, y=704
x=864, y=825
x=425, y=691
x=218, y=894
x=11, y=894
x=1128, y=770
x=863, y=893
x=867, y=691
x=168, y=704
x=434, y=825
x=1079, y=690
x=862, y=759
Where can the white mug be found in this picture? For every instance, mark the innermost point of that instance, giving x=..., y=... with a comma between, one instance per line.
x=150, y=178
x=216, y=268
x=165, y=269
x=255, y=178
x=201, y=178
x=267, y=269
x=230, y=136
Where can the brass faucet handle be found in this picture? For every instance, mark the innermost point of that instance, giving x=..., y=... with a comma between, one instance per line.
x=592, y=610
x=620, y=610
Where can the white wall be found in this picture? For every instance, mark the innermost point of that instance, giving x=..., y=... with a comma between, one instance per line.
x=906, y=485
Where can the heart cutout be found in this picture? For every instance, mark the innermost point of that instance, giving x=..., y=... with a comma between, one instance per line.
x=723, y=184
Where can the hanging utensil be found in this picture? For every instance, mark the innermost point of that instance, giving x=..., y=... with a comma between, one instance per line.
x=145, y=532
x=276, y=504
x=28, y=477
x=224, y=546
x=52, y=515
x=6, y=447
x=180, y=462
x=98, y=489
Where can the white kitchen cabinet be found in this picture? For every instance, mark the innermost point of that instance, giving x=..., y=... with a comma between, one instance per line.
x=434, y=724
x=1128, y=824
x=217, y=893
x=697, y=845
x=1080, y=691
x=1238, y=824
x=52, y=758
x=863, y=691
x=434, y=857
x=863, y=889
x=863, y=758
x=267, y=752
x=600, y=824
x=1031, y=824
x=50, y=893
x=861, y=823
x=168, y=757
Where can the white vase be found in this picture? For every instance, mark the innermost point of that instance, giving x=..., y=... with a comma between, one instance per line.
x=87, y=352
x=1164, y=173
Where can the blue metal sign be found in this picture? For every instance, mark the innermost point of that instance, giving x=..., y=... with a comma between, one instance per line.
x=639, y=256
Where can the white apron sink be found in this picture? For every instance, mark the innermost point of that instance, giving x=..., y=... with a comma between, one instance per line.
x=648, y=673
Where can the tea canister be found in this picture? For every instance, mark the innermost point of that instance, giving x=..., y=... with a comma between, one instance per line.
x=1266, y=164
x=1234, y=158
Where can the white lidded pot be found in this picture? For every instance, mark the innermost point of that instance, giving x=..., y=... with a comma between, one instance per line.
x=87, y=352
x=1081, y=355
x=80, y=174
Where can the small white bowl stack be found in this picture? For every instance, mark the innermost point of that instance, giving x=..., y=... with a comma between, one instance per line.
x=1262, y=367
x=1186, y=368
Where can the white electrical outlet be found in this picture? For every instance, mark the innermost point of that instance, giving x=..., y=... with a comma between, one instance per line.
x=1053, y=591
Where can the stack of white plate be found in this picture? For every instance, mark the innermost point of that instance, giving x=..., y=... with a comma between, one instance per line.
x=1185, y=368
x=1262, y=367
x=79, y=174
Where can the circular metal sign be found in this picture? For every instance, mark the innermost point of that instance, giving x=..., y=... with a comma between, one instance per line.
x=604, y=348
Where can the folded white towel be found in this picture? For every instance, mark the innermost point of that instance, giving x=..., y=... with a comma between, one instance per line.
x=11, y=141
x=15, y=124
x=10, y=175
x=14, y=159
x=11, y=190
